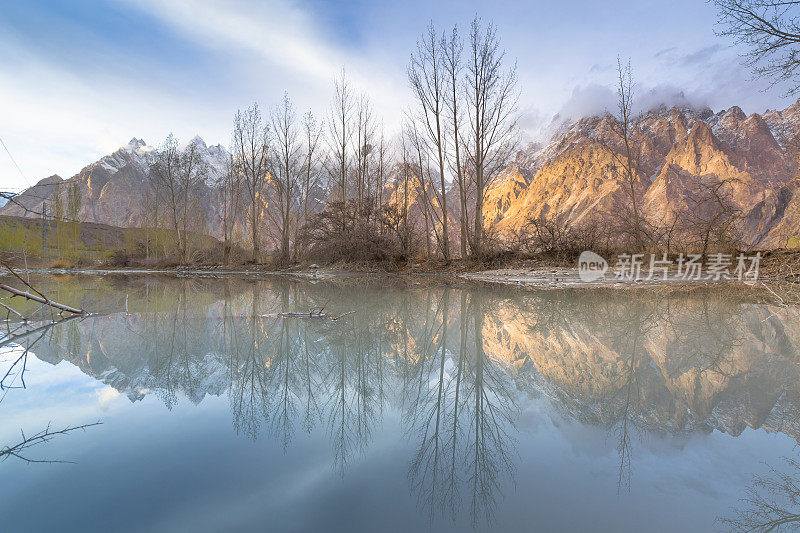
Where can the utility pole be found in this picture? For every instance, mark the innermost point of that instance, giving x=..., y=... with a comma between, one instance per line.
x=44, y=230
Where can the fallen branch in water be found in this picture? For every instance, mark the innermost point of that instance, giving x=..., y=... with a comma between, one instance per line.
x=10, y=310
x=16, y=338
x=312, y=314
x=36, y=296
x=39, y=438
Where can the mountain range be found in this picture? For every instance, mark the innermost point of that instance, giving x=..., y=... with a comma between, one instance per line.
x=569, y=178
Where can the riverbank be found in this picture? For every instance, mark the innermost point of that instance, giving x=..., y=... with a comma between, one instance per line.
x=533, y=277
x=541, y=273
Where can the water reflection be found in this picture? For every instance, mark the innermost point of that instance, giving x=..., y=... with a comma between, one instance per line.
x=460, y=365
x=770, y=503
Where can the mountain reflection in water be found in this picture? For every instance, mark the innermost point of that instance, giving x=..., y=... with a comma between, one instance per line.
x=458, y=363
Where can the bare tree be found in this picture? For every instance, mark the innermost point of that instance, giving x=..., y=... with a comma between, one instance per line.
x=628, y=159
x=179, y=175
x=192, y=171
x=380, y=171
x=312, y=132
x=770, y=30
x=491, y=98
x=340, y=129
x=165, y=167
x=420, y=183
x=453, y=48
x=251, y=139
x=74, y=203
x=712, y=216
x=285, y=165
x=427, y=77
x=231, y=197
x=770, y=502
x=364, y=145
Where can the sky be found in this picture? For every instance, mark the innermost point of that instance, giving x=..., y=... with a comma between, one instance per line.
x=79, y=79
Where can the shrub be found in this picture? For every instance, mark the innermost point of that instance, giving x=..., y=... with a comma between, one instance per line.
x=345, y=232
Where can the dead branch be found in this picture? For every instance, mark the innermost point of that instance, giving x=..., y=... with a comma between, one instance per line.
x=10, y=310
x=41, y=437
x=17, y=338
x=312, y=314
x=36, y=295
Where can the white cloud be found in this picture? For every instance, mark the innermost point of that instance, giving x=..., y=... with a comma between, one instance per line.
x=289, y=41
x=57, y=114
x=106, y=396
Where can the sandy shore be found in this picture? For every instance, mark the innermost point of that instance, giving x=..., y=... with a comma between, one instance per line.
x=568, y=277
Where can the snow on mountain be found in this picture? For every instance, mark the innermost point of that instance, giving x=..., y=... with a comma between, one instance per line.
x=215, y=158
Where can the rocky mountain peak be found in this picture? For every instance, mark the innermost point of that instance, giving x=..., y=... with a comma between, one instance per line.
x=135, y=144
x=50, y=180
x=199, y=142
x=734, y=114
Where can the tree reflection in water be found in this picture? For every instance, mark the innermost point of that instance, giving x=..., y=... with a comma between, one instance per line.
x=771, y=502
x=457, y=364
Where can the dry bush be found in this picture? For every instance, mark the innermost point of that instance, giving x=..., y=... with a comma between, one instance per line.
x=557, y=239
x=62, y=263
x=345, y=232
x=118, y=258
x=780, y=273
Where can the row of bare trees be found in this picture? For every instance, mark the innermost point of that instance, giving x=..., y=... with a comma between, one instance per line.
x=291, y=179
x=301, y=186
x=463, y=121
x=175, y=195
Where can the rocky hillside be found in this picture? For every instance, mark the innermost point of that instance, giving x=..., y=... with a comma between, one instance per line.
x=574, y=177
x=113, y=188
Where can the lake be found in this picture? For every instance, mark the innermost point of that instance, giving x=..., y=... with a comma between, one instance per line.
x=432, y=407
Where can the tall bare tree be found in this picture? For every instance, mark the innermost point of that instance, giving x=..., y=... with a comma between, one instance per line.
x=74, y=203
x=251, y=140
x=417, y=143
x=364, y=145
x=427, y=77
x=165, y=168
x=491, y=101
x=312, y=133
x=231, y=199
x=453, y=48
x=380, y=171
x=179, y=175
x=285, y=164
x=627, y=161
x=340, y=130
x=770, y=31
x=192, y=172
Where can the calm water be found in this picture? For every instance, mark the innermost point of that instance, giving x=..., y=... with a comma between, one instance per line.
x=432, y=407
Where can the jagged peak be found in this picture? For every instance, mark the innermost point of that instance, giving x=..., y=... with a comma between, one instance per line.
x=198, y=141
x=733, y=113
x=50, y=180
x=135, y=144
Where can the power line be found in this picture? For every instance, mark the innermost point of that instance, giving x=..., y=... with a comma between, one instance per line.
x=15, y=162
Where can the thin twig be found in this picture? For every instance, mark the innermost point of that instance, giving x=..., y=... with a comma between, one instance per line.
x=41, y=437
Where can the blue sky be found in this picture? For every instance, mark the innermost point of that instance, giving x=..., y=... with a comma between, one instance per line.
x=79, y=79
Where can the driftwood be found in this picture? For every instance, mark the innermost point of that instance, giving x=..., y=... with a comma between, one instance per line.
x=312, y=314
x=35, y=295
x=16, y=338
